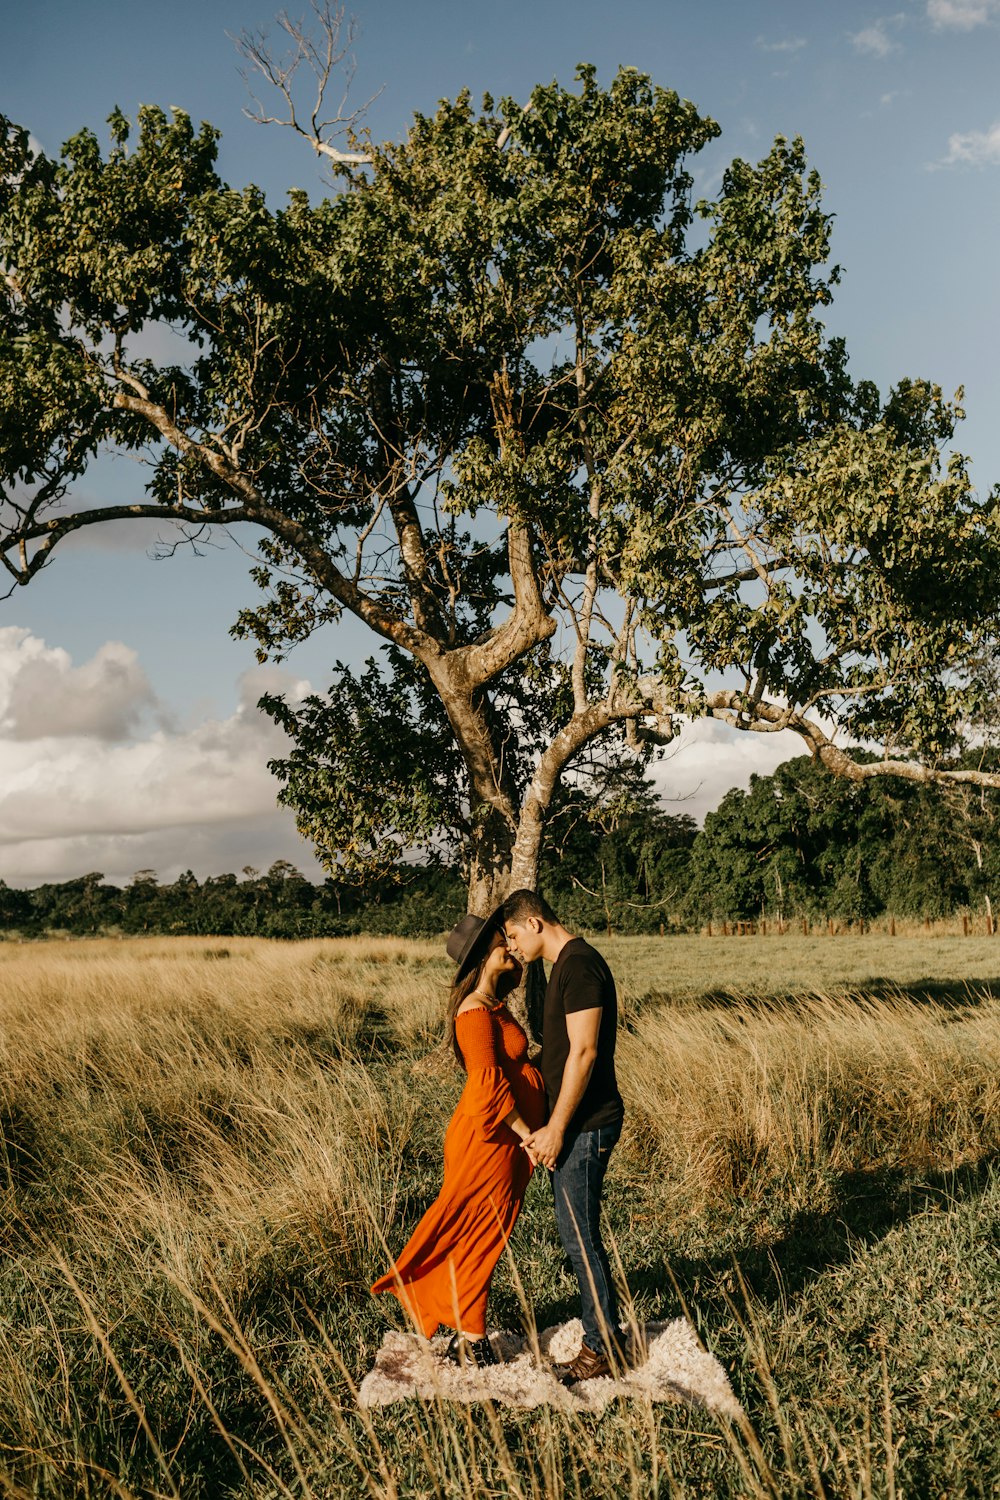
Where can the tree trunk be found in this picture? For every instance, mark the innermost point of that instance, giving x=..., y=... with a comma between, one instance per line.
x=527, y=850
x=524, y=876
x=502, y=862
x=990, y=924
x=488, y=885
x=489, y=866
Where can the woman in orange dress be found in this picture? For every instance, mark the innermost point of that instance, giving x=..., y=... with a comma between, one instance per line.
x=443, y=1275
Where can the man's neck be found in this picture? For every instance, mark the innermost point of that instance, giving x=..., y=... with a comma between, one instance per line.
x=554, y=939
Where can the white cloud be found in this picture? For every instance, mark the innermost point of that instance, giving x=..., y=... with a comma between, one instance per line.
x=791, y=44
x=216, y=849
x=708, y=758
x=961, y=15
x=874, y=40
x=81, y=788
x=34, y=149
x=974, y=148
x=42, y=695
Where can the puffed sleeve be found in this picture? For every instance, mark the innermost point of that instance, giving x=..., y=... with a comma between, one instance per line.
x=488, y=1097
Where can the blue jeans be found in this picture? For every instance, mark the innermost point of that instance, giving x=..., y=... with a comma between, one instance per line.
x=576, y=1184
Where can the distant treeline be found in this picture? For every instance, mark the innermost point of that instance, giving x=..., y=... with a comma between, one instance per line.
x=798, y=843
x=278, y=904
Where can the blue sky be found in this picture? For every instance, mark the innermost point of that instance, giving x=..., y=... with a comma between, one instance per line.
x=900, y=111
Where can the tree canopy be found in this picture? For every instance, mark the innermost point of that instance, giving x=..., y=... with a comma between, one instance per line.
x=578, y=449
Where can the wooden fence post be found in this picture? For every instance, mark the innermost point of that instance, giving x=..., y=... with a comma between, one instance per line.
x=892, y=926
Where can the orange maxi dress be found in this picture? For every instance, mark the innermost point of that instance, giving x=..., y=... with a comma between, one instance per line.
x=443, y=1275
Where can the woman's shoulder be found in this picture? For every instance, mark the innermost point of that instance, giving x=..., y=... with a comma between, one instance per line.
x=471, y=1008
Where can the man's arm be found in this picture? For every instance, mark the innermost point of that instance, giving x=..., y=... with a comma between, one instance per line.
x=582, y=1028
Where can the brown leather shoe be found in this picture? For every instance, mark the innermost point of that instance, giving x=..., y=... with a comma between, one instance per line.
x=585, y=1366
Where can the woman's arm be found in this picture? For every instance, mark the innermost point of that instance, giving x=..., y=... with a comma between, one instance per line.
x=519, y=1126
x=523, y=1131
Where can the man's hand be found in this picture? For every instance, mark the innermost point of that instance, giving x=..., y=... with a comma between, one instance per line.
x=546, y=1145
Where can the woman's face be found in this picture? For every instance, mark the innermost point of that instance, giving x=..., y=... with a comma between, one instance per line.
x=501, y=965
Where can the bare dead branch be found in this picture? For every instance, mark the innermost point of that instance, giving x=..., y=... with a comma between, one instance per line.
x=620, y=901
x=323, y=60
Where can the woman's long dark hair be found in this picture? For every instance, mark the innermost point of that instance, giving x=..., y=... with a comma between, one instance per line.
x=506, y=984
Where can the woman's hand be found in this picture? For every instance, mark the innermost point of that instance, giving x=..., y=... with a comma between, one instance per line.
x=545, y=1145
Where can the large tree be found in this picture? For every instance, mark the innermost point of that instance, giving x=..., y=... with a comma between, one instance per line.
x=577, y=450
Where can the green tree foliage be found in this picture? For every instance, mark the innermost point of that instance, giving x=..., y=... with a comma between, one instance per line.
x=799, y=843
x=577, y=449
x=613, y=859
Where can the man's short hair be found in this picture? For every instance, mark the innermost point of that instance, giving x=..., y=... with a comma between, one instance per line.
x=524, y=903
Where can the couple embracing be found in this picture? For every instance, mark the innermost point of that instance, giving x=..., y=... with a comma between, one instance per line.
x=511, y=1117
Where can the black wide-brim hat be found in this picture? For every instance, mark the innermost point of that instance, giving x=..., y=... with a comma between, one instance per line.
x=469, y=940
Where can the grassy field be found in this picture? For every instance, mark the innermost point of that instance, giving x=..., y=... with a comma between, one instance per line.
x=207, y=1144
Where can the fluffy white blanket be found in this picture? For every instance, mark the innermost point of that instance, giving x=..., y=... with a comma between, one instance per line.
x=676, y=1369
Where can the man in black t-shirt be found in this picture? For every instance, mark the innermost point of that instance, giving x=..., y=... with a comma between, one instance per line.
x=579, y=1023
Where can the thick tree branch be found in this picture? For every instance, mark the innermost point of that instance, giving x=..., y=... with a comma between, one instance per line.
x=768, y=718
x=49, y=533
x=650, y=699
x=316, y=558
x=529, y=623
x=538, y=796
x=395, y=487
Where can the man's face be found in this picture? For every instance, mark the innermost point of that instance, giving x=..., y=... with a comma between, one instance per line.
x=525, y=938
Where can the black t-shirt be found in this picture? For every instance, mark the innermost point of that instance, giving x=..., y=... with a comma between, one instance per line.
x=581, y=980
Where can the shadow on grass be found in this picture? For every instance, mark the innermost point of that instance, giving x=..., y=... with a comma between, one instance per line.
x=866, y=1207
x=956, y=995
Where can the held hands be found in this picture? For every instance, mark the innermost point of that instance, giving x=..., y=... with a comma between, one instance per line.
x=544, y=1145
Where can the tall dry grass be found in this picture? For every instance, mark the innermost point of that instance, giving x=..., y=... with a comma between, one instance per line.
x=214, y=1098
x=207, y=1147
x=752, y=1098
